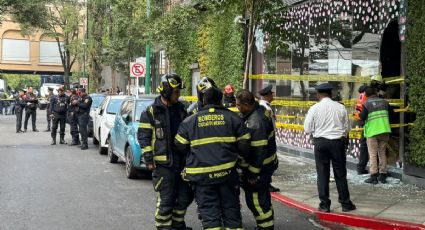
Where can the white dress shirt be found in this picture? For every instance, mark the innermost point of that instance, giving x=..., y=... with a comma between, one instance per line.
x=327, y=119
x=268, y=107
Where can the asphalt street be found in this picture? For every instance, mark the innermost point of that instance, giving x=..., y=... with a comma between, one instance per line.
x=61, y=187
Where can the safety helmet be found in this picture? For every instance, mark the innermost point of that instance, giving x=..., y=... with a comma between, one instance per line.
x=168, y=83
x=203, y=85
x=377, y=77
x=229, y=89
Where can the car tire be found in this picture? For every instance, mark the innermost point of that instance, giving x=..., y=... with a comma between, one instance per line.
x=130, y=170
x=112, y=158
x=95, y=141
x=103, y=150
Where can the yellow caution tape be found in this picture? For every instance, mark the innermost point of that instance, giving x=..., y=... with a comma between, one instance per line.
x=355, y=133
x=190, y=98
x=344, y=78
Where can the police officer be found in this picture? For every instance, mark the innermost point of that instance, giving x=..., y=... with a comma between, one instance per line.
x=48, y=113
x=84, y=103
x=214, y=139
x=73, y=118
x=19, y=109
x=30, y=109
x=158, y=127
x=329, y=124
x=58, y=109
x=261, y=162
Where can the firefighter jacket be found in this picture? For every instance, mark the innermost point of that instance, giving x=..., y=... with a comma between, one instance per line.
x=59, y=105
x=213, y=140
x=155, y=134
x=262, y=158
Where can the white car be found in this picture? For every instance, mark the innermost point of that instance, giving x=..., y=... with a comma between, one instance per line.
x=103, y=120
x=44, y=89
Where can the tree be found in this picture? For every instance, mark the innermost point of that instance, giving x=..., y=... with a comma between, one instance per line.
x=63, y=23
x=24, y=11
x=258, y=12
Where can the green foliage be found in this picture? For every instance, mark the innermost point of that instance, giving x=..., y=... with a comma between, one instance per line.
x=415, y=79
x=222, y=45
x=21, y=81
x=177, y=31
x=29, y=12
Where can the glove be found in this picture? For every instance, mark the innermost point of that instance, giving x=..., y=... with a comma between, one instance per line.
x=250, y=178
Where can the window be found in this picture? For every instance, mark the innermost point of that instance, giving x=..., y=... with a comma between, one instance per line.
x=16, y=50
x=114, y=106
x=141, y=106
x=49, y=52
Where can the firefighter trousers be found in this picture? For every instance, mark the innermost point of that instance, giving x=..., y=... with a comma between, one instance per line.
x=173, y=197
x=219, y=205
x=258, y=200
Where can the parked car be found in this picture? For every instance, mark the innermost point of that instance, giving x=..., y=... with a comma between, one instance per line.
x=97, y=99
x=103, y=120
x=123, y=143
x=44, y=89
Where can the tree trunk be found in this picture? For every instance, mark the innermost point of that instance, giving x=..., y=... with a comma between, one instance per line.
x=250, y=40
x=303, y=91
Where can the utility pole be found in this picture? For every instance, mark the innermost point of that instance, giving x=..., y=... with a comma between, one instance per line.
x=148, y=54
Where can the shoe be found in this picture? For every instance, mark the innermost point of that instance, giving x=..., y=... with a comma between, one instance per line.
x=53, y=142
x=382, y=178
x=347, y=208
x=324, y=209
x=47, y=130
x=84, y=147
x=182, y=228
x=35, y=130
x=362, y=171
x=274, y=189
x=74, y=143
x=19, y=131
x=373, y=179
x=62, y=141
x=25, y=130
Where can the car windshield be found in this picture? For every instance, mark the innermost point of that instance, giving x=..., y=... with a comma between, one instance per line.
x=141, y=106
x=114, y=106
x=96, y=101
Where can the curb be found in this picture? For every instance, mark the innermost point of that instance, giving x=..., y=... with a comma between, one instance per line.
x=347, y=219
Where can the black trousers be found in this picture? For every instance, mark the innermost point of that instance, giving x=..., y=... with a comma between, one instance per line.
x=173, y=197
x=49, y=120
x=33, y=114
x=58, y=120
x=325, y=152
x=364, y=155
x=73, y=124
x=18, y=120
x=219, y=205
x=83, y=121
x=258, y=200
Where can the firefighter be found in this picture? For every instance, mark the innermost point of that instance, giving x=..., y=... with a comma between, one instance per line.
x=196, y=106
x=57, y=109
x=158, y=126
x=262, y=161
x=214, y=138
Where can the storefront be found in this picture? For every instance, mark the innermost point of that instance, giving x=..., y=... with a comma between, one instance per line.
x=342, y=42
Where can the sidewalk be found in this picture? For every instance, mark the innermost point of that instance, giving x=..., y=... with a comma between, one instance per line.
x=393, y=203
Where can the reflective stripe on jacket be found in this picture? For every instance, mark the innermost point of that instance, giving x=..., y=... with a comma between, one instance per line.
x=377, y=121
x=213, y=139
x=262, y=158
x=154, y=134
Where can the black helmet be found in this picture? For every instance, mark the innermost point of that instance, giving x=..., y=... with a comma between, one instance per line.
x=203, y=86
x=168, y=83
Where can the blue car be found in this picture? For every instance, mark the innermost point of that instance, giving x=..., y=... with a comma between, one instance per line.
x=123, y=143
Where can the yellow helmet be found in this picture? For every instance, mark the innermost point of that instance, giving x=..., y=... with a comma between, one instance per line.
x=377, y=77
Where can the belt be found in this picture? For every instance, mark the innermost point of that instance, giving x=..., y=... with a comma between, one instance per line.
x=322, y=138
